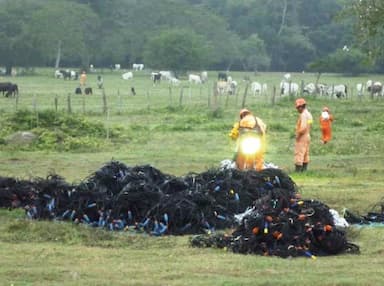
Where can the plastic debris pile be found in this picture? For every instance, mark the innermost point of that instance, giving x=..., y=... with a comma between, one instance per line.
x=375, y=215
x=263, y=207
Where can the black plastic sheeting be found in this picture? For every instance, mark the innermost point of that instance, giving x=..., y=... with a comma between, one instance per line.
x=273, y=221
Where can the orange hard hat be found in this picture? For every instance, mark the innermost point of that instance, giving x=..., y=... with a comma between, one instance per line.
x=325, y=108
x=244, y=112
x=300, y=102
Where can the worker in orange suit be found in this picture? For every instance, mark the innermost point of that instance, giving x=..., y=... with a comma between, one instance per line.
x=303, y=136
x=326, y=120
x=83, y=78
x=249, y=126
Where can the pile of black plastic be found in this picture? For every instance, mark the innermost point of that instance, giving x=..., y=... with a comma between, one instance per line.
x=274, y=220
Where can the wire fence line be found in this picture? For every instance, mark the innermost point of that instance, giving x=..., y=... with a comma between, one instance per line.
x=103, y=101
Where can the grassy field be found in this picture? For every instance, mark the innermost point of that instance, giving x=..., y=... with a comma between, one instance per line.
x=180, y=130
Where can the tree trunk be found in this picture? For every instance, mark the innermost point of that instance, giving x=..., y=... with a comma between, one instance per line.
x=58, y=55
x=8, y=69
x=283, y=17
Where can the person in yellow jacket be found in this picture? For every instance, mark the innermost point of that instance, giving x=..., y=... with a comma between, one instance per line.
x=303, y=136
x=249, y=126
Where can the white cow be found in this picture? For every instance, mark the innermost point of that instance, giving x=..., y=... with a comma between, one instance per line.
x=258, y=88
x=338, y=90
x=117, y=67
x=204, y=76
x=222, y=87
x=137, y=67
x=166, y=74
x=375, y=88
x=174, y=81
x=288, y=88
x=127, y=75
x=58, y=74
x=194, y=78
x=360, y=89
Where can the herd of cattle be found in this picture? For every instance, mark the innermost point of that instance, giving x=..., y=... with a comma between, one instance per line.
x=224, y=83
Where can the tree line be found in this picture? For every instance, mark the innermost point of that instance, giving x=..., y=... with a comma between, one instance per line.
x=252, y=35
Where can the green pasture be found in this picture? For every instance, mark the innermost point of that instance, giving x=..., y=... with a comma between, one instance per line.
x=178, y=130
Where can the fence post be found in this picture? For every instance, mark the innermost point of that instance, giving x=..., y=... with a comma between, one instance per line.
x=245, y=95
x=83, y=102
x=170, y=95
x=105, y=107
x=119, y=100
x=274, y=95
x=56, y=103
x=16, y=101
x=69, y=103
x=34, y=103
x=181, y=96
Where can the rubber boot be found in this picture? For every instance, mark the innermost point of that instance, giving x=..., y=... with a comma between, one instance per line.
x=305, y=167
x=298, y=168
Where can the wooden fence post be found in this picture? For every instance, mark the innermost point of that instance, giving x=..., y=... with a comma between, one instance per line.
x=181, y=96
x=69, y=103
x=170, y=95
x=245, y=95
x=83, y=102
x=105, y=106
x=119, y=100
x=56, y=103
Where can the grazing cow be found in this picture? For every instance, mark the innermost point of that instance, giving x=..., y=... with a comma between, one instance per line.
x=256, y=88
x=9, y=89
x=117, y=67
x=222, y=87
x=360, y=89
x=137, y=67
x=194, y=78
x=174, y=81
x=156, y=77
x=339, y=90
x=100, y=81
x=289, y=88
x=232, y=87
x=88, y=90
x=127, y=75
x=375, y=88
x=78, y=90
x=204, y=76
x=74, y=75
x=58, y=74
x=166, y=74
x=222, y=76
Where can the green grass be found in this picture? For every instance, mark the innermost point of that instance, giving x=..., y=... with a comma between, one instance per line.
x=178, y=137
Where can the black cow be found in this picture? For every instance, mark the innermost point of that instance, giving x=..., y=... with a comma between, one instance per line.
x=88, y=90
x=78, y=90
x=156, y=77
x=222, y=76
x=9, y=89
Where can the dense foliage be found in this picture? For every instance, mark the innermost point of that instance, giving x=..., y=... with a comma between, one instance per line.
x=185, y=35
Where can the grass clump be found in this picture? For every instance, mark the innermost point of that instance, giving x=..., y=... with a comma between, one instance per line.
x=55, y=131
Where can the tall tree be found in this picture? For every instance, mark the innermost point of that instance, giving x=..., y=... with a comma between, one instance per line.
x=177, y=50
x=68, y=30
x=16, y=47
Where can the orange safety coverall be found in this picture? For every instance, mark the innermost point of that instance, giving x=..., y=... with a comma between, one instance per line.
x=249, y=122
x=303, y=137
x=326, y=126
x=83, y=78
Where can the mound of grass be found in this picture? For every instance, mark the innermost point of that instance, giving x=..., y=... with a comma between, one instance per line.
x=55, y=131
